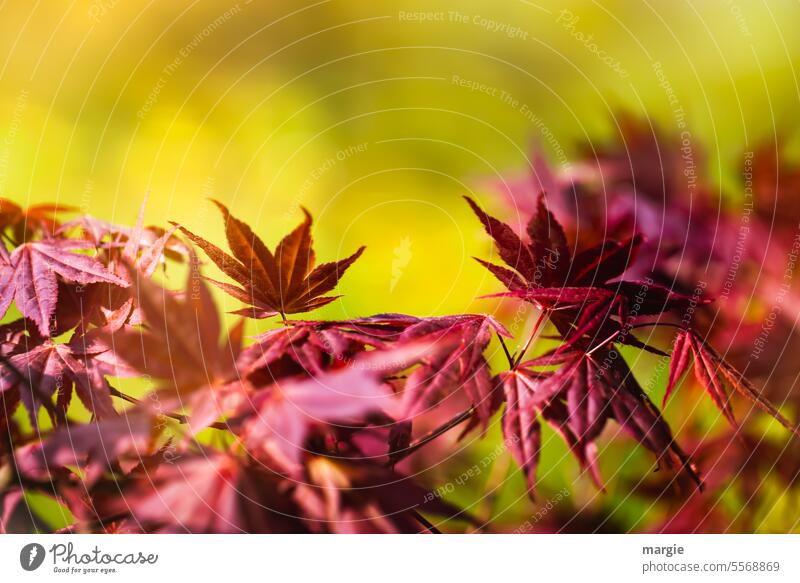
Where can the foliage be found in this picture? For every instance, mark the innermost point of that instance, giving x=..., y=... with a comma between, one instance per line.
x=315, y=418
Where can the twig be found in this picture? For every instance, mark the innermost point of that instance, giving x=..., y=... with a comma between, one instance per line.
x=396, y=456
x=425, y=522
x=176, y=416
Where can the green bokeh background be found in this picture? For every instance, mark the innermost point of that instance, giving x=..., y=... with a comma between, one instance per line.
x=354, y=111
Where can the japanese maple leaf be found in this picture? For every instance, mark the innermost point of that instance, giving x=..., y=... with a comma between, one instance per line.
x=30, y=277
x=568, y=399
x=180, y=340
x=312, y=347
x=111, y=306
x=303, y=348
x=144, y=246
x=635, y=412
x=180, y=345
x=9, y=400
x=632, y=184
x=546, y=260
x=209, y=492
x=283, y=282
x=92, y=447
x=350, y=497
x=776, y=181
x=579, y=293
x=24, y=224
x=377, y=330
x=43, y=368
x=747, y=460
x=717, y=377
x=462, y=366
x=279, y=417
x=643, y=160
x=578, y=399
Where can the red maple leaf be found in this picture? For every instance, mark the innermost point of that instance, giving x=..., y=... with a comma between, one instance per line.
x=462, y=367
x=209, y=492
x=717, y=377
x=580, y=293
x=179, y=342
x=29, y=277
x=25, y=224
x=279, y=417
x=578, y=399
x=283, y=282
x=41, y=369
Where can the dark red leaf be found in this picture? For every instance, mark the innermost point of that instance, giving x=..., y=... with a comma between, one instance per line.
x=604, y=262
x=452, y=367
x=548, y=244
x=716, y=376
x=30, y=277
x=44, y=369
x=509, y=246
x=283, y=283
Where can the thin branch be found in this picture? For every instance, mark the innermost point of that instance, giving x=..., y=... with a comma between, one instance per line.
x=396, y=456
x=425, y=522
x=176, y=416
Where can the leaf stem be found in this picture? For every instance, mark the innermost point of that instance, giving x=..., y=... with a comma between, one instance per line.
x=656, y=324
x=603, y=343
x=505, y=349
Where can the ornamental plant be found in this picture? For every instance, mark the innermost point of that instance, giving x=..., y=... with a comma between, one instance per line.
x=308, y=426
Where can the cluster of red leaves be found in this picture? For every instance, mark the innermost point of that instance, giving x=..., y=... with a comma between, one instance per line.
x=301, y=428
x=315, y=413
x=739, y=242
x=593, y=310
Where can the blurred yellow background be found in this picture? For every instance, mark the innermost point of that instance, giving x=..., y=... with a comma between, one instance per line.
x=376, y=116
